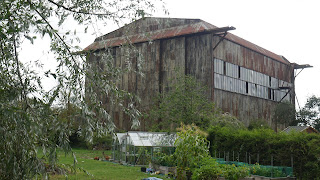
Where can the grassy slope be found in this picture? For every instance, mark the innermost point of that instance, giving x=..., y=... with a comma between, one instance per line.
x=99, y=169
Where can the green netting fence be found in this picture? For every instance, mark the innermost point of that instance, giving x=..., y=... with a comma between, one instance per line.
x=262, y=170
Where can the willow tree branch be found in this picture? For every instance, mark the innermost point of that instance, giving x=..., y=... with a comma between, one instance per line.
x=23, y=92
x=54, y=32
x=79, y=12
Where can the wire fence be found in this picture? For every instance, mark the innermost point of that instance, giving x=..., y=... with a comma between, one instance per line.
x=253, y=162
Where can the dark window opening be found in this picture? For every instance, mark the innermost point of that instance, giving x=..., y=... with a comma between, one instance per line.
x=272, y=94
x=224, y=68
x=270, y=81
x=247, y=87
x=239, y=72
x=269, y=93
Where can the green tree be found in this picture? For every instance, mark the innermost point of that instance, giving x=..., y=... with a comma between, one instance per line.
x=284, y=113
x=309, y=115
x=186, y=102
x=191, y=147
x=27, y=121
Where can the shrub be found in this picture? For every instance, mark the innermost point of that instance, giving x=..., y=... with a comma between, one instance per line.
x=164, y=160
x=258, y=124
x=210, y=169
x=207, y=172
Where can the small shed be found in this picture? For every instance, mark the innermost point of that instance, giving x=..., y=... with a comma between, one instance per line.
x=307, y=129
x=140, y=148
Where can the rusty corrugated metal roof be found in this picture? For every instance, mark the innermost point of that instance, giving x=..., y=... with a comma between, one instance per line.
x=159, y=34
x=199, y=27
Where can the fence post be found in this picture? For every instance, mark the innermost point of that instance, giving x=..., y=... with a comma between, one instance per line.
x=271, y=165
x=292, y=161
x=232, y=155
x=228, y=156
x=246, y=157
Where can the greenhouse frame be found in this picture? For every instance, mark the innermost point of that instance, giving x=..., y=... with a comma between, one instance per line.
x=140, y=148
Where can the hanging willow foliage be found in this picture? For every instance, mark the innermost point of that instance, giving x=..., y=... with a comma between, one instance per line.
x=29, y=121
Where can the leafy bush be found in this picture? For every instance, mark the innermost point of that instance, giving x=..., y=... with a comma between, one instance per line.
x=210, y=169
x=258, y=124
x=267, y=171
x=192, y=155
x=231, y=172
x=164, y=160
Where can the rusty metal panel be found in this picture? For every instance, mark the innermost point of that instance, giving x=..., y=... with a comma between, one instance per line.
x=132, y=36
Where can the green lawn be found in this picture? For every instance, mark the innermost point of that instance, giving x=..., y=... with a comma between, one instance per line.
x=99, y=169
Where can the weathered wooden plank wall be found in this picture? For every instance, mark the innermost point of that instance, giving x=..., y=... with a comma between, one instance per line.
x=148, y=84
x=199, y=59
x=172, y=61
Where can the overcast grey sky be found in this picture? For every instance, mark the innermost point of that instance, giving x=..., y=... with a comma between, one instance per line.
x=285, y=27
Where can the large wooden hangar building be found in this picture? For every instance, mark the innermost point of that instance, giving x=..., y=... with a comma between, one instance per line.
x=242, y=78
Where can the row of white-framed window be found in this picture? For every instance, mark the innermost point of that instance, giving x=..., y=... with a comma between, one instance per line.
x=234, y=78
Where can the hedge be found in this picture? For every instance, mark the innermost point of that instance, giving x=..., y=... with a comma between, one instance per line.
x=264, y=145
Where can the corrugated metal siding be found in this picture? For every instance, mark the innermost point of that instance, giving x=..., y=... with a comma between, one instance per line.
x=247, y=58
x=259, y=85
